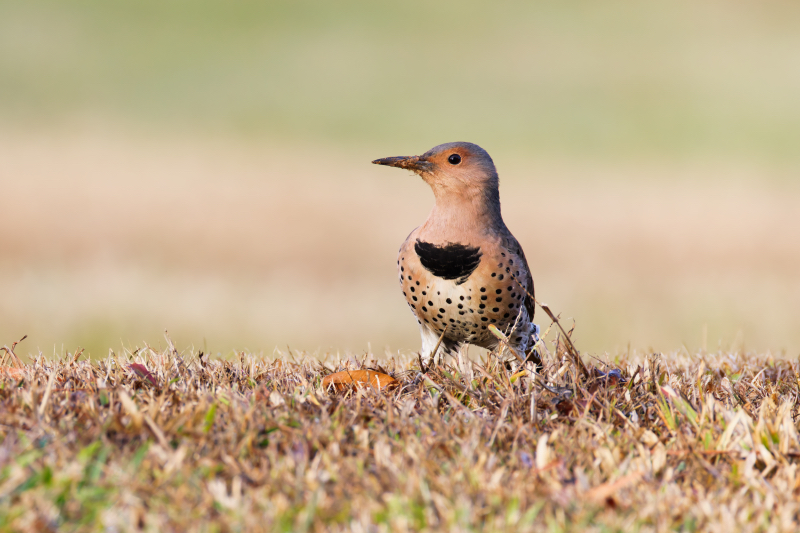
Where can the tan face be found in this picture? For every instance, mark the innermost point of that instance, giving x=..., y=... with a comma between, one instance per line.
x=448, y=165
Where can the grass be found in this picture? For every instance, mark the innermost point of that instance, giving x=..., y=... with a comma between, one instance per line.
x=686, y=442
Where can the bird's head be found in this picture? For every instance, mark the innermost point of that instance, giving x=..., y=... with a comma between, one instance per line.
x=451, y=168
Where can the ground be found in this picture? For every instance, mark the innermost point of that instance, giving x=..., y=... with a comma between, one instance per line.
x=166, y=441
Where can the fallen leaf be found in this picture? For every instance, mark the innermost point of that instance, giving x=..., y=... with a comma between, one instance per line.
x=358, y=378
x=142, y=372
x=601, y=493
x=10, y=371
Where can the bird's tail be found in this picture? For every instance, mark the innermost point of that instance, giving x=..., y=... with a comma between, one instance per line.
x=533, y=354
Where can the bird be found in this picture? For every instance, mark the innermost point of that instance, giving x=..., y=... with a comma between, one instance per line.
x=462, y=270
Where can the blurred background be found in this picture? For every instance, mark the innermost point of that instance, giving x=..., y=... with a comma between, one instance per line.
x=204, y=167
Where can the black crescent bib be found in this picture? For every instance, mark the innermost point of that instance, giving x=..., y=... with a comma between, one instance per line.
x=449, y=261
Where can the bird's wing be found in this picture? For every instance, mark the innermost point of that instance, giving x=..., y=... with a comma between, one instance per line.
x=513, y=246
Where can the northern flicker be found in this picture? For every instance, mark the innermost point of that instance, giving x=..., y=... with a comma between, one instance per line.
x=462, y=270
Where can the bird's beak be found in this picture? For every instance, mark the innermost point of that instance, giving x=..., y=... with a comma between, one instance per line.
x=414, y=162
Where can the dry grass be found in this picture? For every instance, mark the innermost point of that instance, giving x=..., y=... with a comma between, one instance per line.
x=706, y=441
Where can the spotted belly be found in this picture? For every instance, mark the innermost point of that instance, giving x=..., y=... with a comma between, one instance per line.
x=465, y=307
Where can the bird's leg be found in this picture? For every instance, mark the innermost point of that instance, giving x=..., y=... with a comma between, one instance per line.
x=430, y=344
x=463, y=359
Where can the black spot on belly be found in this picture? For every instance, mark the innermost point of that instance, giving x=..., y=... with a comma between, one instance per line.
x=449, y=261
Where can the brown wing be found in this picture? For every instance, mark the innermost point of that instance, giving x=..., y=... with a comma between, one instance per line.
x=512, y=245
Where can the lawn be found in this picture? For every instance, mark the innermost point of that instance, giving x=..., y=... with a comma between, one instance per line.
x=158, y=440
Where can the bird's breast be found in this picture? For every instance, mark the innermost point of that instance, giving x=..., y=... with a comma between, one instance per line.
x=461, y=288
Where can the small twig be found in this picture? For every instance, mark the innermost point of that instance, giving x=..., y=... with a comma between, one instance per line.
x=562, y=392
x=708, y=466
x=701, y=452
x=500, y=419
x=10, y=351
x=504, y=342
x=171, y=345
x=436, y=348
x=573, y=352
x=48, y=390
x=78, y=353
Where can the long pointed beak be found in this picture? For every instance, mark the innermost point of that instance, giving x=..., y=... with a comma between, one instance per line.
x=413, y=162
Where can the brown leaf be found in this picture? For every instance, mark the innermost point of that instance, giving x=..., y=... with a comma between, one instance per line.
x=566, y=406
x=10, y=371
x=142, y=372
x=359, y=378
x=609, y=488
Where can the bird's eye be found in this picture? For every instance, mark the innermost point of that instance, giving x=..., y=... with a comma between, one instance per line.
x=454, y=159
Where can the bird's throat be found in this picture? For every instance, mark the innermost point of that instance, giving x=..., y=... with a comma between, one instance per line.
x=459, y=217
